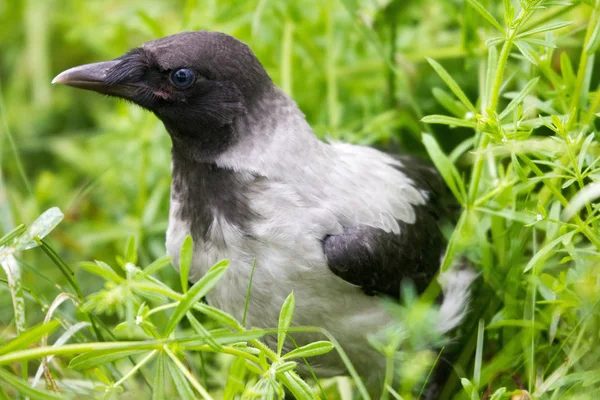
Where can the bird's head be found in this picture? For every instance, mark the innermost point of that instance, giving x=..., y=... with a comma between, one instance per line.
x=197, y=83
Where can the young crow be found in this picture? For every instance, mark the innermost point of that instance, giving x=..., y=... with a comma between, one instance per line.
x=340, y=225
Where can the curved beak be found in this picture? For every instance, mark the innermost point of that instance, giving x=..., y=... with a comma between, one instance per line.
x=93, y=77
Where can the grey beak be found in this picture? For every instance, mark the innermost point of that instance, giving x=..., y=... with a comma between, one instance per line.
x=93, y=77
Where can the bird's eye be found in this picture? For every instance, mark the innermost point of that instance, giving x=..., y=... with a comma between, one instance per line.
x=182, y=78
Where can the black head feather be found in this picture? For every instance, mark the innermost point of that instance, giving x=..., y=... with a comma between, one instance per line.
x=227, y=80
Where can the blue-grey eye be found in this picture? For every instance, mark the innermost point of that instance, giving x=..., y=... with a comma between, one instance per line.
x=182, y=78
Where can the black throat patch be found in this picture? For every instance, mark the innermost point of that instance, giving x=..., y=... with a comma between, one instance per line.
x=207, y=192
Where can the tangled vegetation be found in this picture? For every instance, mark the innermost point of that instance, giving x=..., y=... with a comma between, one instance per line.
x=503, y=96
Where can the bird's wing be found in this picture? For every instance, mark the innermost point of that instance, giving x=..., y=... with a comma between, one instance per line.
x=378, y=260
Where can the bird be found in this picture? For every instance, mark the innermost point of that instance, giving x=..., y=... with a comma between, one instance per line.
x=340, y=225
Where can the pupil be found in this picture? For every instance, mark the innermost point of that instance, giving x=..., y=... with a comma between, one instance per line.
x=182, y=77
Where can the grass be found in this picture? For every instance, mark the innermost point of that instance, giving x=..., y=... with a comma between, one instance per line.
x=502, y=95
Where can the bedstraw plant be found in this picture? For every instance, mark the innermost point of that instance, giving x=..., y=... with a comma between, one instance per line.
x=502, y=95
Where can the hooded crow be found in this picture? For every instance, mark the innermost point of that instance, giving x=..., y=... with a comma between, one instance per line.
x=338, y=224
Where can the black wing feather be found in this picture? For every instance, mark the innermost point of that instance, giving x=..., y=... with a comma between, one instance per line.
x=377, y=260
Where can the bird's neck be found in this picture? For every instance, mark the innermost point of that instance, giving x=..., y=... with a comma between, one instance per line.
x=208, y=196
x=273, y=140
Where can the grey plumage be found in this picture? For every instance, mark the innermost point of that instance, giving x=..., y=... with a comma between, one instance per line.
x=252, y=182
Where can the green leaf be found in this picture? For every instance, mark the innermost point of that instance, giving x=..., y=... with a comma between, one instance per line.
x=89, y=360
x=452, y=85
x=285, y=319
x=495, y=41
x=527, y=51
x=451, y=121
x=196, y=292
x=519, y=323
x=594, y=41
x=485, y=14
x=236, y=377
x=566, y=69
x=445, y=168
x=547, y=249
x=24, y=388
x=540, y=42
x=296, y=385
x=311, y=350
x=449, y=103
x=181, y=383
x=583, y=153
x=509, y=12
x=509, y=214
x=185, y=262
x=285, y=367
x=490, y=77
x=468, y=386
x=218, y=315
x=131, y=250
x=498, y=394
x=158, y=389
x=29, y=337
x=519, y=97
x=102, y=269
x=544, y=28
x=154, y=267
x=40, y=228
x=153, y=205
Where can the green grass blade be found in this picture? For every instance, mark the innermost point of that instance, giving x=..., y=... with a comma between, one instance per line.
x=248, y=292
x=195, y=294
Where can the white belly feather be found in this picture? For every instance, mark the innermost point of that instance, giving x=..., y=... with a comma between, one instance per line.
x=289, y=257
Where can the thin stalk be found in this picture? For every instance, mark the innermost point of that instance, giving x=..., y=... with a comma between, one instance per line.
x=576, y=101
x=80, y=348
x=137, y=366
x=485, y=139
x=187, y=374
x=389, y=376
